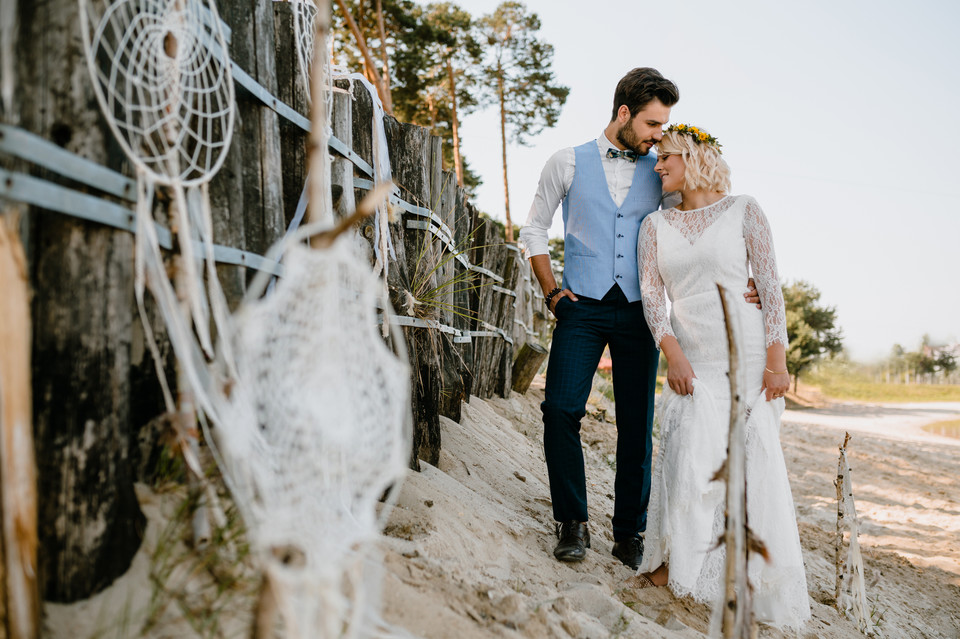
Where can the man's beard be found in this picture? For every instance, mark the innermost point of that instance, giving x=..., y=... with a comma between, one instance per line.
x=629, y=139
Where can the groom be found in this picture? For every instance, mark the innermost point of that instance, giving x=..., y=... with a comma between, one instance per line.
x=607, y=186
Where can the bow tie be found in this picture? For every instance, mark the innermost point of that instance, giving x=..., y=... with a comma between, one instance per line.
x=626, y=154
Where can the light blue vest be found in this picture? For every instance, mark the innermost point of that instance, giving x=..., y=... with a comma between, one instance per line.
x=600, y=239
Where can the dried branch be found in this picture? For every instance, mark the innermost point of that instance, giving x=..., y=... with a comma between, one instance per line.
x=366, y=208
x=737, y=621
x=382, y=89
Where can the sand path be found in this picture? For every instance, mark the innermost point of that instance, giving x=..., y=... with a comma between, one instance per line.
x=903, y=422
x=468, y=546
x=470, y=543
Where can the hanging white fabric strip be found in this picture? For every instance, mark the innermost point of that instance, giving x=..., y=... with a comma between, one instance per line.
x=383, y=245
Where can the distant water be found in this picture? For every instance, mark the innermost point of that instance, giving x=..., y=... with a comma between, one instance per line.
x=944, y=429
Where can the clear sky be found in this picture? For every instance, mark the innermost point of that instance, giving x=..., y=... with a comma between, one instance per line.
x=842, y=117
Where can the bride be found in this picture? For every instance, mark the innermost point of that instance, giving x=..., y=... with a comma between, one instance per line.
x=684, y=251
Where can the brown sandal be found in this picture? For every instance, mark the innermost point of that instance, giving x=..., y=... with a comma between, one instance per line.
x=641, y=581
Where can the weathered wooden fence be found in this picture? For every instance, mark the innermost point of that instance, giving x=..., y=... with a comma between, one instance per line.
x=464, y=297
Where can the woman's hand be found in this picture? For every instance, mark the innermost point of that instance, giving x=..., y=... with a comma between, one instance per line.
x=680, y=374
x=776, y=384
x=776, y=379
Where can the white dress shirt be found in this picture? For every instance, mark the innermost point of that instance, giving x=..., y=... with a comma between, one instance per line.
x=555, y=181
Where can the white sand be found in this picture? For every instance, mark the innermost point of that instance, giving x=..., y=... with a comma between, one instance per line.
x=469, y=546
x=478, y=562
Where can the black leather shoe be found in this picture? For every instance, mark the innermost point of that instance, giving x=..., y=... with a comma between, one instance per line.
x=574, y=541
x=630, y=551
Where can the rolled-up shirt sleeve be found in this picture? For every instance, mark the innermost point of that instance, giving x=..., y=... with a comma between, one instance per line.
x=555, y=181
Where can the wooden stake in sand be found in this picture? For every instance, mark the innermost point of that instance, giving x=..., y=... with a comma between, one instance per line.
x=851, y=594
x=737, y=615
x=325, y=231
x=527, y=364
x=19, y=598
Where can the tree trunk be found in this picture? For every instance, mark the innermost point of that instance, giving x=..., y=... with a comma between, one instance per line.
x=457, y=164
x=503, y=142
x=89, y=520
x=367, y=59
x=385, y=77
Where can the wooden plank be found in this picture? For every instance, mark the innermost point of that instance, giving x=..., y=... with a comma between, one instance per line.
x=455, y=376
x=228, y=206
x=486, y=255
x=342, y=169
x=510, y=273
x=496, y=263
x=290, y=90
x=246, y=133
x=409, y=150
x=529, y=359
x=256, y=133
x=462, y=224
x=19, y=594
x=362, y=122
x=271, y=166
x=83, y=313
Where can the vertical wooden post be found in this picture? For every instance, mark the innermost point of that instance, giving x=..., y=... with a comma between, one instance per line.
x=838, y=557
x=463, y=294
x=531, y=355
x=490, y=254
x=292, y=91
x=89, y=520
x=737, y=618
x=19, y=595
x=443, y=201
x=257, y=130
x=362, y=124
x=443, y=188
x=480, y=304
x=410, y=153
x=510, y=273
x=341, y=171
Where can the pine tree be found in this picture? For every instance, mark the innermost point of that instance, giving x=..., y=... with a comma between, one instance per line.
x=419, y=49
x=519, y=80
x=811, y=328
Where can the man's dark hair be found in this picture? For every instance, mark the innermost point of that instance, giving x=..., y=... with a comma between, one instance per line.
x=639, y=87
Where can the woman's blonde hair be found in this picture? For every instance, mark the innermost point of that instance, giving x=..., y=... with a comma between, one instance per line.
x=704, y=166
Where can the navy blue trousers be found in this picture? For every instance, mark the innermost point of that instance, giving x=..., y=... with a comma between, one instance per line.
x=583, y=329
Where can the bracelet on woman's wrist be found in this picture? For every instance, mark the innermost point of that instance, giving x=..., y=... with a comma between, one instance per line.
x=775, y=372
x=552, y=294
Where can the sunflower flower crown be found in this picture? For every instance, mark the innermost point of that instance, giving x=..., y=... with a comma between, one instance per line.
x=699, y=135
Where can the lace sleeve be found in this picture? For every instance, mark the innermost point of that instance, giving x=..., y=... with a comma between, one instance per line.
x=763, y=264
x=651, y=284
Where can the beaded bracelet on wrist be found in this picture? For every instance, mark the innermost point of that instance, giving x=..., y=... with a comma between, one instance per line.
x=552, y=294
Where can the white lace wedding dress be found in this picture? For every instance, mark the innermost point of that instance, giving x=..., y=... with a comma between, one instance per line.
x=685, y=253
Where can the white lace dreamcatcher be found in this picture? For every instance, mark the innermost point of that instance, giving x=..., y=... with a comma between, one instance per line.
x=319, y=422
x=319, y=75
x=304, y=30
x=319, y=430
x=162, y=77
x=310, y=408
